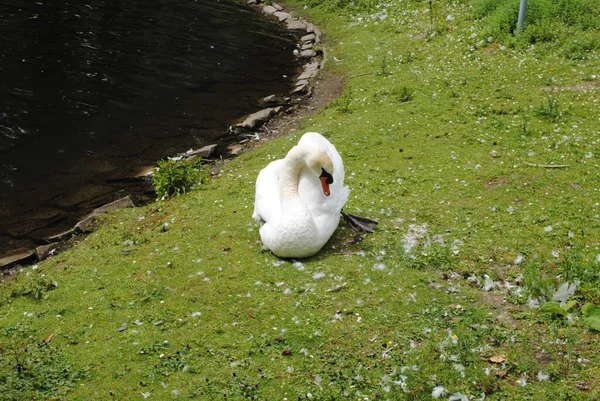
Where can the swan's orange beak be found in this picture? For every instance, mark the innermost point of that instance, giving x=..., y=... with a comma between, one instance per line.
x=325, y=185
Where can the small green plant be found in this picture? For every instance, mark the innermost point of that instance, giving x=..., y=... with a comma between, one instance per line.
x=403, y=94
x=343, y=102
x=176, y=177
x=591, y=315
x=384, y=70
x=37, y=371
x=554, y=309
x=525, y=126
x=408, y=57
x=35, y=287
x=549, y=109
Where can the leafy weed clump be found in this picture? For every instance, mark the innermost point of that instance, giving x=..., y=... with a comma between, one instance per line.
x=35, y=371
x=568, y=25
x=176, y=177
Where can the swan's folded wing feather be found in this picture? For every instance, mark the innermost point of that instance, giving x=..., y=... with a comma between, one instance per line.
x=267, y=204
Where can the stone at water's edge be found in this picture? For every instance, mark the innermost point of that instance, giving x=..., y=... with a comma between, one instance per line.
x=204, y=152
x=308, y=38
x=87, y=224
x=269, y=10
x=63, y=236
x=308, y=53
x=310, y=71
x=20, y=255
x=43, y=251
x=255, y=119
x=295, y=25
x=235, y=149
x=282, y=15
x=23, y=256
x=273, y=100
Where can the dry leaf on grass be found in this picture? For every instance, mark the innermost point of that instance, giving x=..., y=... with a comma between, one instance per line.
x=498, y=359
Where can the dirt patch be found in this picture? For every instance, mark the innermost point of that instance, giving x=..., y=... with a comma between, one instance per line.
x=580, y=87
x=497, y=182
x=497, y=302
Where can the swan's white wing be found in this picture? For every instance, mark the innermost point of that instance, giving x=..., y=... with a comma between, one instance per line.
x=267, y=204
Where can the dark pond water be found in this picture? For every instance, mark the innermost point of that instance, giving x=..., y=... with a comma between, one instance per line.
x=92, y=91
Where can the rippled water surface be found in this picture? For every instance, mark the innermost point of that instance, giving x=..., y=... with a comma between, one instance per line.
x=92, y=91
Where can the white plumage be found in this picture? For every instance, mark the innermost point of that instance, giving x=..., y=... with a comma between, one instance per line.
x=296, y=216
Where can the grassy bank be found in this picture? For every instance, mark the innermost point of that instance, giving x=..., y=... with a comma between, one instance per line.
x=479, y=157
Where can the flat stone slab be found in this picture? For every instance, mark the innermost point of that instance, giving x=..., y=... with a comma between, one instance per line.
x=65, y=235
x=204, y=152
x=302, y=88
x=146, y=171
x=308, y=38
x=43, y=251
x=20, y=255
x=313, y=29
x=308, y=53
x=235, y=149
x=273, y=100
x=87, y=224
x=255, y=119
x=310, y=70
x=282, y=16
x=269, y=10
x=295, y=25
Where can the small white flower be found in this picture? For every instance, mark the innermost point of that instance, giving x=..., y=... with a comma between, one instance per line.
x=522, y=381
x=542, y=376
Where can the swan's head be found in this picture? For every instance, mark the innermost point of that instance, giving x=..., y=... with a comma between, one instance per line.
x=320, y=163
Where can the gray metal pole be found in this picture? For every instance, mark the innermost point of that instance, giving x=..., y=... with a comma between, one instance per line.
x=521, y=16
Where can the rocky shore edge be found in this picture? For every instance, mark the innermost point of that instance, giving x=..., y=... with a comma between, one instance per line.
x=241, y=134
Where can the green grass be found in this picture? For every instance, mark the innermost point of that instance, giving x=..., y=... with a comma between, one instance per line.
x=177, y=299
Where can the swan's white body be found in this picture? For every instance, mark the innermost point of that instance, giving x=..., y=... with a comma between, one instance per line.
x=295, y=215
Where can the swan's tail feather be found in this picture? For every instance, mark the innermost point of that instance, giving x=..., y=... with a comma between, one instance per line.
x=359, y=224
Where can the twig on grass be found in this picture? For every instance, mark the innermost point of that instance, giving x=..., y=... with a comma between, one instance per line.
x=548, y=165
x=360, y=75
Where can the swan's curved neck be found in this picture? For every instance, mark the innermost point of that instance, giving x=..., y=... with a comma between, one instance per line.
x=289, y=176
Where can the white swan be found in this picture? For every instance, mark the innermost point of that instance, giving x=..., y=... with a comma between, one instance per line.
x=299, y=198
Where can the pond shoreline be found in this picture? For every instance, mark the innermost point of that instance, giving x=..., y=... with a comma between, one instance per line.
x=278, y=114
